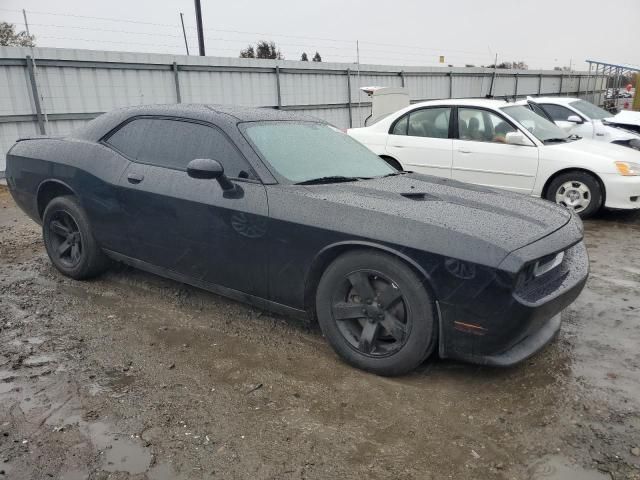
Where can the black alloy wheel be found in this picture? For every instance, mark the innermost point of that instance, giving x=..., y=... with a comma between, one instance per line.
x=376, y=312
x=66, y=239
x=371, y=313
x=69, y=241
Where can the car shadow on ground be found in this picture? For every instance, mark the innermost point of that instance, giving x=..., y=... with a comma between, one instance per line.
x=618, y=216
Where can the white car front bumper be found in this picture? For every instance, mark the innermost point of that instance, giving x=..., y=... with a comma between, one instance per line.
x=621, y=192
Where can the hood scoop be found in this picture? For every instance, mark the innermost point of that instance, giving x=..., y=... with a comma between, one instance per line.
x=419, y=196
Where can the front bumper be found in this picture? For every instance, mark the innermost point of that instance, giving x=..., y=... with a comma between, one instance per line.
x=621, y=192
x=527, y=321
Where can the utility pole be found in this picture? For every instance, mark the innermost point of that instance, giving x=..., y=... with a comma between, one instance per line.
x=26, y=24
x=184, y=33
x=493, y=79
x=199, y=25
x=359, y=84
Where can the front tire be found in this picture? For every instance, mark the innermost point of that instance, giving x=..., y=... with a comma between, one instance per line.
x=579, y=191
x=376, y=313
x=68, y=239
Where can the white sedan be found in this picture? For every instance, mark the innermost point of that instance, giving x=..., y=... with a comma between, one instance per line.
x=579, y=117
x=502, y=145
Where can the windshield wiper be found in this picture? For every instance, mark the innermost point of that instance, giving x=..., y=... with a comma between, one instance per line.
x=331, y=179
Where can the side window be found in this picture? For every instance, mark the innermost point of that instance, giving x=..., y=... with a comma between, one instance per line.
x=400, y=128
x=557, y=112
x=127, y=139
x=482, y=126
x=429, y=122
x=174, y=143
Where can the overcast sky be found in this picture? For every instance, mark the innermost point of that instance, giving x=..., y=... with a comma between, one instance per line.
x=543, y=33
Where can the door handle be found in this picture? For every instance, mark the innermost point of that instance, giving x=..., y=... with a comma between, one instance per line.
x=464, y=151
x=135, y=177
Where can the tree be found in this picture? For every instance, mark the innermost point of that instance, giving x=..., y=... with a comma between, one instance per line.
x=509, y=65
x=9, y=37
x=469, y=65
x=304, y=57
x=268, y=50
x=248, y=52
x=317, y=57
x=263, y=49
x=562, y=69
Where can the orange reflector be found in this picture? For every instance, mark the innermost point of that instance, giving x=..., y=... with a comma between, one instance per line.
x=470, y=328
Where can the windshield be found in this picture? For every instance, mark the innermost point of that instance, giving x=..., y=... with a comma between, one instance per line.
x=306, y=151
x=590, y=110
x=542, y=128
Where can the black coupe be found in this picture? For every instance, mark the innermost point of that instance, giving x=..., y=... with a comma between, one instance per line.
x=290, y=214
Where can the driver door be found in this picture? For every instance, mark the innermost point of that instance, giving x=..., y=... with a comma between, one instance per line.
x=187, y=226
x=482, y=156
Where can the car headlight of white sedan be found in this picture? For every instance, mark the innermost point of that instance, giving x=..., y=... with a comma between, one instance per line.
x=628, y=169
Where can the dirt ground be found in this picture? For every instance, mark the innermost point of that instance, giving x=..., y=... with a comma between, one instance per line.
x=131, y=376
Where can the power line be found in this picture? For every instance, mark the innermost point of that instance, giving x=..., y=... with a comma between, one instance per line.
x=454, y=55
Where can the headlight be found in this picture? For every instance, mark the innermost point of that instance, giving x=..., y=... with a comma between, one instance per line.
x=628, y=169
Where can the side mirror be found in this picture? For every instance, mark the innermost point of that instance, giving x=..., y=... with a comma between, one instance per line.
x=518, y=138
x=206, y=168
x=574, y=119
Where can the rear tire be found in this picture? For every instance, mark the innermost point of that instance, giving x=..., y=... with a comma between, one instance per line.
x=376, y=313
x=68, y=239
x=579, y=191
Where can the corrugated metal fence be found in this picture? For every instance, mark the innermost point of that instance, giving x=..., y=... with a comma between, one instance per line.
x=53, y=91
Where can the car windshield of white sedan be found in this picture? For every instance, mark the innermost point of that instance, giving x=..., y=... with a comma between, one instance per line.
x=540, y=127
x=590, y=110
x=314, y=152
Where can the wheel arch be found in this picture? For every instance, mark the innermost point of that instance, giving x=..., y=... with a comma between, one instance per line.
x=329, y=253
x=555, y=175
x=50, y=189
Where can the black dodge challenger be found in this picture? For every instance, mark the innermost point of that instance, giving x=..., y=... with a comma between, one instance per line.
x=290, y=214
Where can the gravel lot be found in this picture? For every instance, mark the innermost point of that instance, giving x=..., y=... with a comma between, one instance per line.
x=134, y=376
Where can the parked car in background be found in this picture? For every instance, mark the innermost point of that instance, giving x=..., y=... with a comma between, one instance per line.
x=290, y=214
x=627, y=119
x=585, y=119
x=507, y=146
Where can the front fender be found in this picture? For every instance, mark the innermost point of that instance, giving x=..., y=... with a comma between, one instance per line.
x=327, y=254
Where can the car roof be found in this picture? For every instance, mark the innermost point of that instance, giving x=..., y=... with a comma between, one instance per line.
x=556, y=100
x=220, y=115
x=241, y=114
x=469, y=102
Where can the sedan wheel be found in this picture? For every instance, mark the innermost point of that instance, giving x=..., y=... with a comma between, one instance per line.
x=575, y=195
x=376, y=313
x=577, y=190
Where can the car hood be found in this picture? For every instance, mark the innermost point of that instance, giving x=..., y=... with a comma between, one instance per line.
x=626, y=117
x=439, y=215
x=614, y=132
x=599, y=155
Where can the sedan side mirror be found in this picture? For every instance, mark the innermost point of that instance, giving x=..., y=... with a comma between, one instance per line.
x=518, y=138
x=206, y=168
x=574, y=119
